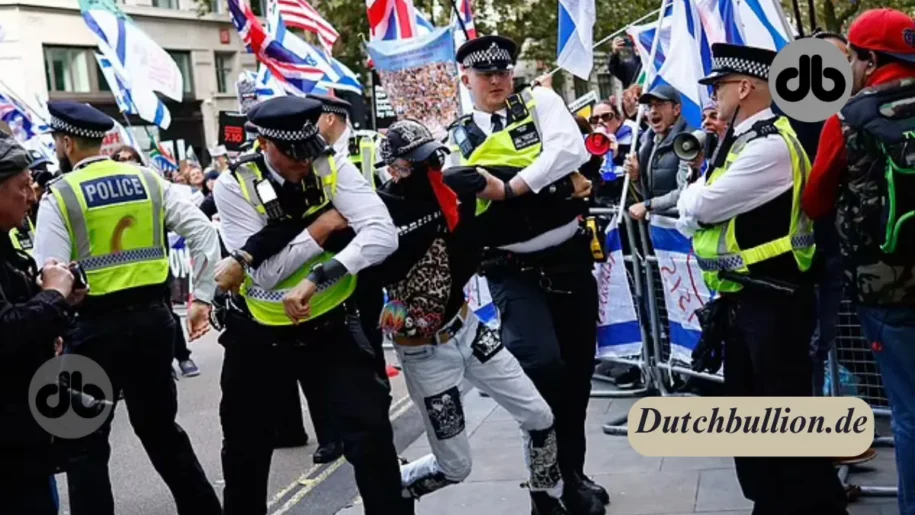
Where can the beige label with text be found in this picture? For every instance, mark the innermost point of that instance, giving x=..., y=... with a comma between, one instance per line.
x=751, y=426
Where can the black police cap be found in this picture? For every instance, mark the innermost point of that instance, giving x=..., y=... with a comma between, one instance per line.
x=332, y=105
x=488, y=53
x=78, y=119
x=730, y=59
x=287, y=118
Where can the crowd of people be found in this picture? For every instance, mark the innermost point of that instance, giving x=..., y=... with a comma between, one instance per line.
x=315, y=262
x=428, y=93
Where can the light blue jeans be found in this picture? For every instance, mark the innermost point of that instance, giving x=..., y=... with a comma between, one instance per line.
x=893, y=330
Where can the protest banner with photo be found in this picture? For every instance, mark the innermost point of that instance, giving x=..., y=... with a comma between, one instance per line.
x=420, y=78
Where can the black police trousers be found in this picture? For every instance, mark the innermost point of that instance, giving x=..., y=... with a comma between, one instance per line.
x=332, y=350
x=767, y=345
x=549, y=323
x=134, y=345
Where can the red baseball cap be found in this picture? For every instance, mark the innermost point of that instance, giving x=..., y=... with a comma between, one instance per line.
x=886, y=31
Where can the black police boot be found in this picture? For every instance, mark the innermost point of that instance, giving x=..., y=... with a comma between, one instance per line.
x=328, y=453
x=598, y=490
x=581, y=500
x=543, y=504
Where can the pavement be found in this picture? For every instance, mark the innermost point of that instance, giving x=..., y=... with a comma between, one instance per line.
x=638, y=485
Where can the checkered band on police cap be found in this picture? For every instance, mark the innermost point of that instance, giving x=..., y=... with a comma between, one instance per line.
x=742, y=66
x=59, y=125
x=334, y=109
x=494, y=54
x=309, y=130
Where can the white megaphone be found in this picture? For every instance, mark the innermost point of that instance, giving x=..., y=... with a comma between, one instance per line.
x=688, y=145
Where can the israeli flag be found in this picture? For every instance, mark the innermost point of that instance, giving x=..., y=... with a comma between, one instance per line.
x=684, y=288
x=688, y=62
x=347, y=80
x=619, y=334
x=755, y=23
x=576, y=24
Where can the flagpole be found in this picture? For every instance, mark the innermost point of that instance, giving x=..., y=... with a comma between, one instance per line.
x=460, y=19
x=649, y=78
x=613, y=35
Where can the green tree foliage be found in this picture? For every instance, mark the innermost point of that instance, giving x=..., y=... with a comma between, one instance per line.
x=836, y=15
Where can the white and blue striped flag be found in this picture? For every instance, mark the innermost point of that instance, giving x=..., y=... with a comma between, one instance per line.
x=684, y=288
x=575, y=51
x=619, y=334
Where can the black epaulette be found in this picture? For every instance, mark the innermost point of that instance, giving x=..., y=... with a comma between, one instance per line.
x=460, y=121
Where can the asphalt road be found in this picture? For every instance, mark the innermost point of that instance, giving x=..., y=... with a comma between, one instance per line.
x=297, y=486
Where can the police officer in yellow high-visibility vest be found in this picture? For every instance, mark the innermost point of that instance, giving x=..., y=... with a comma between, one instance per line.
x=538, y=263
x=755, y=247
x=112, y=218
x=295, y=315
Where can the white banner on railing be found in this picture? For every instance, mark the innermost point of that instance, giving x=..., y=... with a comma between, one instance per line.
x=618, y=331
x=684, y=289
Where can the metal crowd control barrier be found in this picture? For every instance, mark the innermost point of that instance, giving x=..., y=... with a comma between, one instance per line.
x=851, y=351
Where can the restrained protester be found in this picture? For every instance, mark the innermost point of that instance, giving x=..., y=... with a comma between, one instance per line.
x=34, y=313
x=537, y=255
x=755, y=247
x=438, y=339
x=113, y=218
x=296, y=179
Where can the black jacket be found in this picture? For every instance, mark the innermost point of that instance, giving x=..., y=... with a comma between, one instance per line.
x=659, y=177
x=30, y=321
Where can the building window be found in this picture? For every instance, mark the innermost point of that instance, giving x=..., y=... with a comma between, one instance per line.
x=183, y=60
x=605, y=85
x=165, y=4
x=582, y=87
x=70, y=69
x=223, y=71
x=216, y=6
x=259, y=7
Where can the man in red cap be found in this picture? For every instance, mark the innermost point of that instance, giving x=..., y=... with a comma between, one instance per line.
x=865, y=167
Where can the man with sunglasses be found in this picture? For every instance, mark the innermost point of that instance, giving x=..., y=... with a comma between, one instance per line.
x=295, y=179
x=755, y=248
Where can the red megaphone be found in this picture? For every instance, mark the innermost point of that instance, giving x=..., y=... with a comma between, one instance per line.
x=598, y=143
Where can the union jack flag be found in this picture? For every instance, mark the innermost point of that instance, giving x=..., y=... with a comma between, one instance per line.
x=467, y=17
x=296, y=68
x=391, y=19
x=300, y=14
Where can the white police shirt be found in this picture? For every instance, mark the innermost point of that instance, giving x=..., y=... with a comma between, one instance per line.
x=563, y=152
x=181, y=216
x=761, y=173
x=376, y=235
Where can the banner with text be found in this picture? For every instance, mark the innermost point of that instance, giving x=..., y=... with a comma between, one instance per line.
x=684, y=289
x=420, y=78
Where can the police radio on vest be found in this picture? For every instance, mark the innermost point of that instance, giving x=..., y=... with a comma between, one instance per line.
x=114, y=189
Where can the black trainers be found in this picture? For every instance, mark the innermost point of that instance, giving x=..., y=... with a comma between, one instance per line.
x=598, y=490
x=543, y=504
x=581, y=500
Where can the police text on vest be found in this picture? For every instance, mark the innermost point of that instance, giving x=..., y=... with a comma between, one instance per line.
x=114, y=189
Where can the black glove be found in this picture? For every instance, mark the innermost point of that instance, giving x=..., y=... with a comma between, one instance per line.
x=464, y=180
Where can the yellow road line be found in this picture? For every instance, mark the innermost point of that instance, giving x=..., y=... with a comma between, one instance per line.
x=398, y=408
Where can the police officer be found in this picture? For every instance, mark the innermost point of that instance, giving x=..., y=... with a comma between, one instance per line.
x=361, y=147
x=755, y=247
x=112, y=218
x=280, y=330
x=540, y=272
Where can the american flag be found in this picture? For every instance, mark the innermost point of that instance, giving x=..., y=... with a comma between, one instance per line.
x=20, y=119
x=300, y=14
x=391, y=19
x=297, y=71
